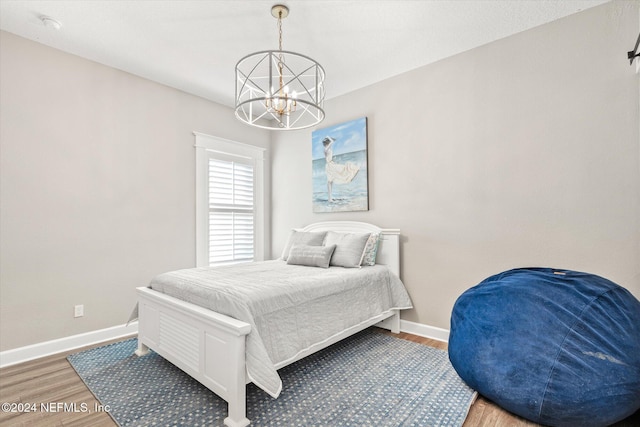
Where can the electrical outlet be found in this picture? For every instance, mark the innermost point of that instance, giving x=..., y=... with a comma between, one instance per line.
x=78, y=310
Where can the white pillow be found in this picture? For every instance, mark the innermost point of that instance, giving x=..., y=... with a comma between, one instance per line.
x=310, y=238
x=311, y=256
x=349, y=248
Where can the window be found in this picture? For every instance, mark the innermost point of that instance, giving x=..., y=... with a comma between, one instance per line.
x=229, y=202
x=231, y=211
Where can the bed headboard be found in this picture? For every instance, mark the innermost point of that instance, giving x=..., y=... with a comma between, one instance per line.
x=388, y=248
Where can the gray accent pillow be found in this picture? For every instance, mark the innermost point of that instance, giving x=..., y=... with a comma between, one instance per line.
x=371, y=249
x=349, y=248
x=311, y=256
x=310, y=238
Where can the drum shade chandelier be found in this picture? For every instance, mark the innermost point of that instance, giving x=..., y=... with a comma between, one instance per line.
x=278, y=89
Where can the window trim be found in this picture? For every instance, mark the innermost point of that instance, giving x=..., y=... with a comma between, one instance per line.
x=206, y=145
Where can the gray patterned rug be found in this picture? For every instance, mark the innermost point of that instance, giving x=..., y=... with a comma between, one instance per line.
x=369, y=379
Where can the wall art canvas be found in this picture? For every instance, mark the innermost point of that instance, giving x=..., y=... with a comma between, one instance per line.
x=339, y=158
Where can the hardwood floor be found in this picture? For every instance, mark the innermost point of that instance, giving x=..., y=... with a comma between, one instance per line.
x=53, y=382
x=49, y=381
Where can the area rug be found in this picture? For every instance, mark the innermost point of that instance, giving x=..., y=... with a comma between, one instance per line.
x=369, y=379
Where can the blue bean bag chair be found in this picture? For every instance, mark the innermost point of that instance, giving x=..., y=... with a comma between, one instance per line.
x=558, y=347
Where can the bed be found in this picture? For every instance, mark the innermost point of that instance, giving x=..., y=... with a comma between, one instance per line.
x=201, y=332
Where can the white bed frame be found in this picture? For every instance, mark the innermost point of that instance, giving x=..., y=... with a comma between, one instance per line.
x=210, y=346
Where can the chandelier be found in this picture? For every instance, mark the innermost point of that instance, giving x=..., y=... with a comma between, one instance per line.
x=278, y=89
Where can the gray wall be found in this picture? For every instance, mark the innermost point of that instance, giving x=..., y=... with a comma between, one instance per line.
x=97, y=188
x=522, y=152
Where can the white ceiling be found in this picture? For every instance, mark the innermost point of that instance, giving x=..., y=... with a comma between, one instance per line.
x=193, y=45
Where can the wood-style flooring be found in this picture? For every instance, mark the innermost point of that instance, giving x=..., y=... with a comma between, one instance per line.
x=52, y=380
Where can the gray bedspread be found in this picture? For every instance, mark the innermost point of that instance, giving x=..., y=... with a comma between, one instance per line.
x=289, y=307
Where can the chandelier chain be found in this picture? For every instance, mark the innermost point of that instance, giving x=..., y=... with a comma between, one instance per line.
x=280, y=30
x=280, y=56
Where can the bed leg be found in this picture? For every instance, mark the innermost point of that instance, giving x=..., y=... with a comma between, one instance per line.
x=232, y=423
x=142, y=349
x=236, y=395
x=395, y=322
x=237, y=414
x=392, y=323
x=237, y=400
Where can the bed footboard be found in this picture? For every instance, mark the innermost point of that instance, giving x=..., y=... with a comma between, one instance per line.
x=206, y=345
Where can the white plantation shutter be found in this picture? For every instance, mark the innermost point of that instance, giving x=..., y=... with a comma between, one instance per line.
x=231, y=211
x=230, y=217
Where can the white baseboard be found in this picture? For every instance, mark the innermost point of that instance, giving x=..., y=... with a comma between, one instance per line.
x=426, y=331
x=47, y=348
